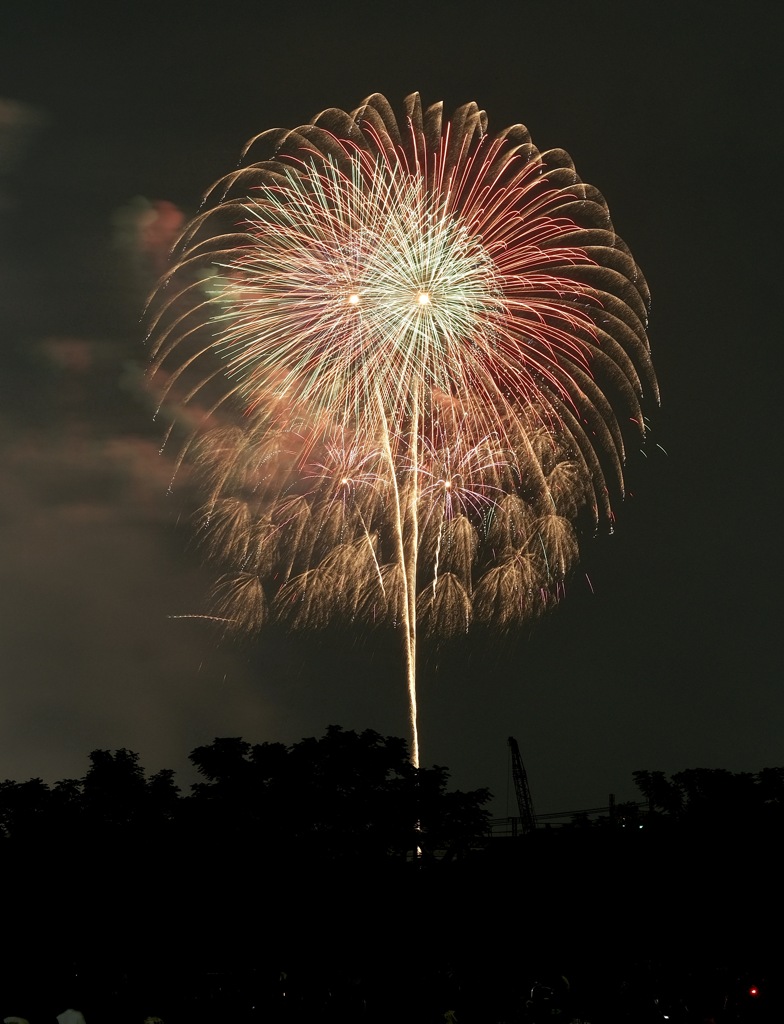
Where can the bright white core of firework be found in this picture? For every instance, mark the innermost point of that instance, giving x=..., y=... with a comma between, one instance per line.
x=354, y=274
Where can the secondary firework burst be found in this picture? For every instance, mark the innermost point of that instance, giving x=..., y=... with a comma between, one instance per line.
x=415, y=352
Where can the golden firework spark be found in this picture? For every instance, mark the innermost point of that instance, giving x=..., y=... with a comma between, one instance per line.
x=433, y=336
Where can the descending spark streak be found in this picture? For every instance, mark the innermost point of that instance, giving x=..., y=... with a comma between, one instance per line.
x=436, y=341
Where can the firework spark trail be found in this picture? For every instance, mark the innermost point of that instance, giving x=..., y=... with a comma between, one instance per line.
x=436, y=342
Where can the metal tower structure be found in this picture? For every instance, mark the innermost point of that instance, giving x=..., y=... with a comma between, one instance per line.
x=524, y=802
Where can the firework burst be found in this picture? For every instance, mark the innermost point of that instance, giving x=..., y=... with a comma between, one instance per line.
x=435, y=342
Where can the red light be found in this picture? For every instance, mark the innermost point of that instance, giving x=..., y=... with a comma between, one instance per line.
x=753, y=991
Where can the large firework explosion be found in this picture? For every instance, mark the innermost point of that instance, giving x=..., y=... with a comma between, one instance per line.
x=414, y=351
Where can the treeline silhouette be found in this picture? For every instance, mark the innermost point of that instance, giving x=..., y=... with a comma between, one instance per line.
x=698, y=801
x=346, y=797
x=282, y=879
x=714, y=797
x=331, y=880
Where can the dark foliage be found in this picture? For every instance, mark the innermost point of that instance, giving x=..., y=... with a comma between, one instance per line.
x=284, y=870
x=345, y=797
x=285, y=887
x=714, y=798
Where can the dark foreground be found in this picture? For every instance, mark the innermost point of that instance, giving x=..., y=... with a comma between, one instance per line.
x=638, y=927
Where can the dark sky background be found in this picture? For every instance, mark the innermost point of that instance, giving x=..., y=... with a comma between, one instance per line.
x=672, y=661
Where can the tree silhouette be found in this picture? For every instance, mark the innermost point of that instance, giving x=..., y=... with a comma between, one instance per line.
x=347, y=795
x=659, y=791
x=711, y=798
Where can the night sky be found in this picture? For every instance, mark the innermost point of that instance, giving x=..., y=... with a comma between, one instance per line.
x=670, y=659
